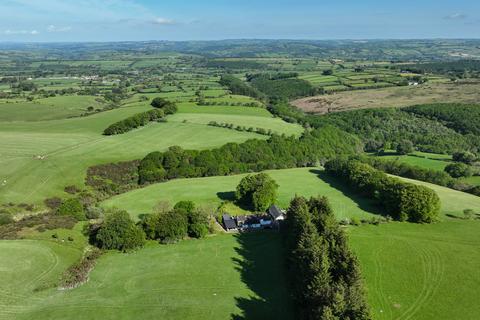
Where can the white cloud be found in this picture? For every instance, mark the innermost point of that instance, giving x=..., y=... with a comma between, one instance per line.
x=52, y=28
x=163, y=21
x=456, y=16
x=9, y=32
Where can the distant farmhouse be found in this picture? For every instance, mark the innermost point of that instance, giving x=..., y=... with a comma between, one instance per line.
x=254, y=222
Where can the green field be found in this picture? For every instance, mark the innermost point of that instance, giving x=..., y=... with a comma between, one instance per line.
x=238, y=116
x=430, y=161
x=421, y=272
x=424, y=160
x=411, y=271
x=221, y=277
x=28, y=266
x=40, y=158
x=47, y=109
x=304, y=181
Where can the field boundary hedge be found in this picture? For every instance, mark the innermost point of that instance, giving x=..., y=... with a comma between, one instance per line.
x=403, y=200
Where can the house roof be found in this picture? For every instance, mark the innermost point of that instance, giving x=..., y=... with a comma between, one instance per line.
x=275, y=211
x=252, y=220
x=241, y=218
x=228, y=222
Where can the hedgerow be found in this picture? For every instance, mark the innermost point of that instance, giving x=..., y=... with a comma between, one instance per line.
x=133, y=122
x=403, y=201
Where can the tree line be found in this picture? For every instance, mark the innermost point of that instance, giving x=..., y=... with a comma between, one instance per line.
x=403, y=201
x=162, y=108
x=133, y=122
x=237, y=86
x=325, y=274
x=278, y=152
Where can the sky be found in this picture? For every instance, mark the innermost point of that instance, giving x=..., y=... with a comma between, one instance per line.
x=141, y=20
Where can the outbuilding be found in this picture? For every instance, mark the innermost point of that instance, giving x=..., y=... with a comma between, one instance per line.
x=229, y=223
x=276, y=213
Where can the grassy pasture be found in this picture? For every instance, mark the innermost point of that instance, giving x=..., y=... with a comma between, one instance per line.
x=213, y=190
x=421, y=272
x=40, y=158
x=430, y=161
x=221, y=277
x=239, y=116
x=303, y=181
x=423, y=160
x=28, y=266
x=52, y=108
x=70, y=146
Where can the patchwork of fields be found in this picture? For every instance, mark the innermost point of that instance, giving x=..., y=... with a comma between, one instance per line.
x=40, y=158
x=47, y=142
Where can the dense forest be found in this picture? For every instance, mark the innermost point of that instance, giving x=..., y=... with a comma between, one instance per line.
x=278, y=86
x=462, y=118
x=385, y=128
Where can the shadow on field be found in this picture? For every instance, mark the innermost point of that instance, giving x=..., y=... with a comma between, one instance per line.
x=230, y=196
x=226, y=196
x=363, y=203
x=262, y=268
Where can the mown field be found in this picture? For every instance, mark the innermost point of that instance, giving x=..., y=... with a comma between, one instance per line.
x=430, y=161
x=47, y=108
x=421, y=271
x=221, y=277
x=304, y=181
x=40, y=158
x=411, y=272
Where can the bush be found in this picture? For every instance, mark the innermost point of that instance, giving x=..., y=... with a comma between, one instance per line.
x=77, y=274
x=72, y=207
x=258, y=191
x=464, y=156
x=5, y=218
x=405, y=147
x=418, y=203
x=166, y=106
x=94, y=212
x=458, y=170
x=171, y=226
x=53, y=203
x=119, y=232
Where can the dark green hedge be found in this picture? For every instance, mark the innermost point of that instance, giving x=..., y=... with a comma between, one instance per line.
x=324, y=273
x=135, y=121
x=402, y=200
x=278, y=152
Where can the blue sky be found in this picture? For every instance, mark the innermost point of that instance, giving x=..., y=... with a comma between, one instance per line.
x=117, y=20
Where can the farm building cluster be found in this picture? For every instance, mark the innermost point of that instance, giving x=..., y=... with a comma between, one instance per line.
x=269, y=220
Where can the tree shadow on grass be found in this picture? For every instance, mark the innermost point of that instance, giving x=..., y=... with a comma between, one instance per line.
x=230, y=196
x=226, y=196
x=262, y=268
x=363, y=203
